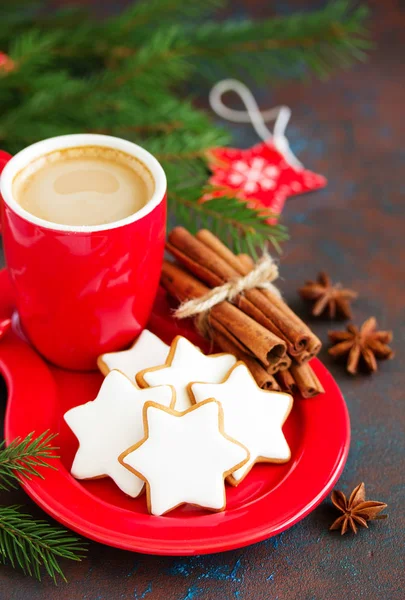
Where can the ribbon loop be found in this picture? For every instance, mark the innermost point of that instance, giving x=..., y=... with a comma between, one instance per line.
x=279, y=114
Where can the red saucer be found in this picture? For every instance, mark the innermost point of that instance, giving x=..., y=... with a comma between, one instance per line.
x=271, y=499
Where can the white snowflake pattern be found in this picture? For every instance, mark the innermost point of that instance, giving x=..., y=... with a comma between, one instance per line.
x=254, y=175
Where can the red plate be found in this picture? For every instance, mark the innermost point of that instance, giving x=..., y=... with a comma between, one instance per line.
x=271, y=499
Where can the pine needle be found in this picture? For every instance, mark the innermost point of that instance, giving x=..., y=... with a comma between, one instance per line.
x=32, y=544
x=241, y=227
x=23, y=457
x=24, y=541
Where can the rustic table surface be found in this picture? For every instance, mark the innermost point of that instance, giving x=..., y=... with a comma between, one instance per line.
x=349, y=129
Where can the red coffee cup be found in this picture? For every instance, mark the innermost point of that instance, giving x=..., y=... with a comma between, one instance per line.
x=83, y=290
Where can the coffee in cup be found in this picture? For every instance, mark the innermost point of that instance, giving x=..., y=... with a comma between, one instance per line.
x=87, y=185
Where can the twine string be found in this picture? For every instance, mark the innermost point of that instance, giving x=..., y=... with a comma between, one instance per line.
x=262, y=276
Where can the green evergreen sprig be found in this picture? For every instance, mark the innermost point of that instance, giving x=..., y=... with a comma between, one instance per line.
x=240, y=226
x=22, y=457
x=33, y=543
x=26, y=542
x=125, y=76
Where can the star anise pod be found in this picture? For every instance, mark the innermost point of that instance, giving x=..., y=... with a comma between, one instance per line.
x=328, y=297
x=356, y=510
x=364, y=344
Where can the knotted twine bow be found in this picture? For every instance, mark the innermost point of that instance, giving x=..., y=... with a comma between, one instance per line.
x=264, y=272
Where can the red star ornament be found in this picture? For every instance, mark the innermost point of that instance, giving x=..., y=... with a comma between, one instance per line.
x=260, y=175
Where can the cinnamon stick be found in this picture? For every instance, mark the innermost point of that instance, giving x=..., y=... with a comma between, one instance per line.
x=285, y=363
x=214, y=270
x=306, y=344
x=211, y=261
x=262, y=377
x=287, y=381
x=246, y=262
x=301, y=341
x=244, y=333
x=306, y=380
x=315, y=344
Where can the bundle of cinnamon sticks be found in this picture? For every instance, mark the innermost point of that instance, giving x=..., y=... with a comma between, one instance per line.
x=257, y=327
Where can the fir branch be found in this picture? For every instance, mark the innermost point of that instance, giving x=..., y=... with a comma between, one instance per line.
x=187, y=174
x=32, y=49
x=165, y=127
x=24, y=541
x=243, y=228
x=31, y=543
x=160, y=61
x=24, y=457
x=165, y=115
x=184, y=144
x=319, y=41
x=152, y=12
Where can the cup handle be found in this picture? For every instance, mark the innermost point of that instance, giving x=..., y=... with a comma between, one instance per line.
x=4, y=158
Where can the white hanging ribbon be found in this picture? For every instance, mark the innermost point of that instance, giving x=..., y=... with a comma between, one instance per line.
x=279, y=114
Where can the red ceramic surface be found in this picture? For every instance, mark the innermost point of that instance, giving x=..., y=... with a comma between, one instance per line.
x=271, y=499
x=4, y=158
x=103, y=277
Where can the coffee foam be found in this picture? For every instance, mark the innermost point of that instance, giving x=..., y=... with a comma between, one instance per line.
x=88, y=185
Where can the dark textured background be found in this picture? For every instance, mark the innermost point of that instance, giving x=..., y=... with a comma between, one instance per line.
x=348, y=129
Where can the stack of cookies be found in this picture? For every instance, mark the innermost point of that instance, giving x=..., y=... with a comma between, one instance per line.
x=177, y=422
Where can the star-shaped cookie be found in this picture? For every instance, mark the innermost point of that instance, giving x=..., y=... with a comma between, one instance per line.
x=184, y=457
x=147, y=351
x=252, y=416
x=186, y=363
x=108, y=425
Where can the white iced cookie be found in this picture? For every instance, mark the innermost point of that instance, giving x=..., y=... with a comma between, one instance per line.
x=147, y=351
x=106, y=426
x=184, y=457
x=185, y=363
x=252, y=416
